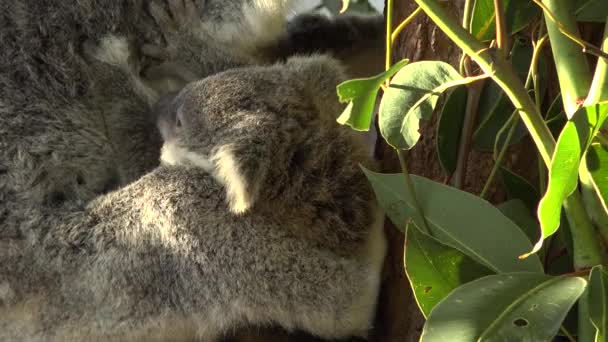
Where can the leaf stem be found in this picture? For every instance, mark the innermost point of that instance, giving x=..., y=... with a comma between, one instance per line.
x=587, y=252
x=571, y=64
x=404, y=23
x=502, y=73
x=409, y=185
x=411, y=192
x=503, y=151
x=501, y=28
x=468, y=127
x=599, y=85
x=389, y=41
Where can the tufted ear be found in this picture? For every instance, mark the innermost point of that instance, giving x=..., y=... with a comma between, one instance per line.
x=241, y=177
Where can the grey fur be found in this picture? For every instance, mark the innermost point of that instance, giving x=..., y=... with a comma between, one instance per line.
x=168, y=248
x=77, y=84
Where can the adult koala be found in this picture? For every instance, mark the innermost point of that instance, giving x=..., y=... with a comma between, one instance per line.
x=75, y=123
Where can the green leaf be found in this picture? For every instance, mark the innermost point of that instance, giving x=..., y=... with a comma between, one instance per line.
x=449, y=128
x=495, y=108
x=518, y=187
x=519, y=213
x=504, y=307
x=598, y=301
x=362, y=94
x=592, y=10
x=563, y=172
x=434, y=269
x=457, y=219
x=412, y=96
x=597, y=164
x=556, y=116
x=517, y=13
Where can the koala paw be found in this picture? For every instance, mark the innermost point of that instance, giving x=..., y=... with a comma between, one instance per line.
x=180, y=20
x=113, y=50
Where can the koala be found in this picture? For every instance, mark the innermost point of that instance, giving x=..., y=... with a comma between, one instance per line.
x=258, y=215
x=78, y=86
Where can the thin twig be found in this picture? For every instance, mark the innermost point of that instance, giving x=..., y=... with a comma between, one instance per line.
x=468, y=127
x=501, y=28
x=404, y=23
x=585, y=46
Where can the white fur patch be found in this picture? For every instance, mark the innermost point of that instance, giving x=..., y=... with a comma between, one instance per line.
x=222, y=166
x=171, y=154
x=114, y=50
x=239, y=197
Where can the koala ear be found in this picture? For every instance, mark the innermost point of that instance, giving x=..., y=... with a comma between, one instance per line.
x=319, y=75
x=241, y=175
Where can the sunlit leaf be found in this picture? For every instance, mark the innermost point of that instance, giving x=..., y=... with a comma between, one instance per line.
x=563, y=172
x=450, y=127
x=457, y=219
x=597, y=164
x=435, y=269
x=598, y=301
x=412, y=96
x=517, y=13
x=362, y=94
x=504, y=307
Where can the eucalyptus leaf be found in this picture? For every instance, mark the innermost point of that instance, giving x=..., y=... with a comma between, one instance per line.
x=518, y=212
x=598, y=301
x=435, y=269
x=457, y=219
x=597, y=164
x=495, y=108
x=361, y=94
x=518, y=187
x=592, y=10
x=504, y=307
x=411, y=97
x=563, y=172
x=517, y=13
x=449, y=128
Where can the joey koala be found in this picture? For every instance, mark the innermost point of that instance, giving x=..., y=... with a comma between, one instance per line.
x=77, y=83
x=257, y=215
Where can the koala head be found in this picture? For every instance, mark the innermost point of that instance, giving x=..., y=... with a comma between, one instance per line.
x=241, y=124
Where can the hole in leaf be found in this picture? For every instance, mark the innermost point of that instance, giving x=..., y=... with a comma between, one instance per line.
x=428, y=289
x=520, y=322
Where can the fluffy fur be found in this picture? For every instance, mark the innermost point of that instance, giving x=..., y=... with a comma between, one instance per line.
x=159, y=254
x=170, y=247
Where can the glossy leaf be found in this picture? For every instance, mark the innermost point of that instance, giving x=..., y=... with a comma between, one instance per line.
x=518, y=187
x=435, y=269
x=495, y=108
x=504, y=307
x=592, y=10
x=457, y=219
x=563, y=172
x=520, y=214
x=449, y=128
x=361, y=94
x=517, y=13
x=597, y=164
x=411, y=97
x=598, y=301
